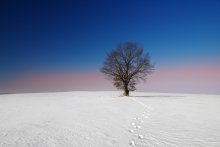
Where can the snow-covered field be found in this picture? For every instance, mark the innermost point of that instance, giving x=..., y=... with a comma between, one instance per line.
x=106, y=119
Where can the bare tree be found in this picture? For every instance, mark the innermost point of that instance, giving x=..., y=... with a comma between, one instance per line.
x=126, y=65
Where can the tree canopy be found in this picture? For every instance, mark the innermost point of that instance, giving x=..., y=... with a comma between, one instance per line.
x=127, y=65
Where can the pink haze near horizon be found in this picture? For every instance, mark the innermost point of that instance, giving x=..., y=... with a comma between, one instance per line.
x=184, y=79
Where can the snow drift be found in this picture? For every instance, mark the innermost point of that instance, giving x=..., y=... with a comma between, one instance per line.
x=98, y=119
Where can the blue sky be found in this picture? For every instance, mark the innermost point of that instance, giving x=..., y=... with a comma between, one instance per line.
x=71, y=36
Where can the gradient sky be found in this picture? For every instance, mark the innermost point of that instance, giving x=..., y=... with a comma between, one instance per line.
x=52, y=44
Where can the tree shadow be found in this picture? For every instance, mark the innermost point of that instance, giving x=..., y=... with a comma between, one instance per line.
x=5, y=93
x=158, y=96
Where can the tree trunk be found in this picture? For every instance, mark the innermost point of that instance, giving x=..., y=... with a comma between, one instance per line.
x=126, y=91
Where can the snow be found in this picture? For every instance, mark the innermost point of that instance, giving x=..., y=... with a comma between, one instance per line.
x=97, y=119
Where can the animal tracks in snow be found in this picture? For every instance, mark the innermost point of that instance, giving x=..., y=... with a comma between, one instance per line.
x=136, y=127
